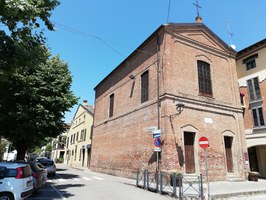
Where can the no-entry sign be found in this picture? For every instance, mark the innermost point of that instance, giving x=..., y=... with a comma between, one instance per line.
x=203, y=142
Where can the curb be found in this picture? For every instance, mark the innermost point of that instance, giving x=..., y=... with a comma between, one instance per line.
x=238, y=194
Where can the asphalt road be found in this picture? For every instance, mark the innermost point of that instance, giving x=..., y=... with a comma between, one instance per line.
x=76, y=184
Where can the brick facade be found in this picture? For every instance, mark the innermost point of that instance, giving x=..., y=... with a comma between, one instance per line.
x=122, y=143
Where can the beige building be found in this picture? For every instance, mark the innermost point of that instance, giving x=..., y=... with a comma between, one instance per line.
x=78, y=145
x=58, y=146
x=181, y=80
x=251, y=70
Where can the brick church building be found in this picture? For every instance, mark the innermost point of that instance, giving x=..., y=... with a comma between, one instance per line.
x=182, y=80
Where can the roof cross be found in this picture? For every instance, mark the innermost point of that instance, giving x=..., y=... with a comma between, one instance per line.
x=198, y=6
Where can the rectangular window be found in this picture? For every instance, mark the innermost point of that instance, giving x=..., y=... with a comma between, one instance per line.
x=254, y=89
x=258, y=119
x=81, y=135
x=77, y=136
x=145, y=87
x=67, y=142
x=91, y=132
x=75, y=152
x=85, y=134
x=250, y=62
x=204, y=78
x=80, y=150
x=242, y=99
x=111, y=106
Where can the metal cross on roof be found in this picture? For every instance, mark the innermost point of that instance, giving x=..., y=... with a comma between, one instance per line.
x=198, y=6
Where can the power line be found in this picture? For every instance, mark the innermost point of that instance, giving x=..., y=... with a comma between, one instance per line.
x=105, y=42
x=73, y=30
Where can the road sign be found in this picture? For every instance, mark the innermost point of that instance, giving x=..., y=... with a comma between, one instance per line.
x=203, y=142
x=157, y=142
x=157, y=149
x=156, y=135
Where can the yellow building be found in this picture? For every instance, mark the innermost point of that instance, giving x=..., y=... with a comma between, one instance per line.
x=78, y=145
x=251, y=71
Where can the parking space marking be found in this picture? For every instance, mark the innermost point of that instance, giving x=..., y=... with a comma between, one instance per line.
x=61, y=180
x=98, y=178
x=86, y=178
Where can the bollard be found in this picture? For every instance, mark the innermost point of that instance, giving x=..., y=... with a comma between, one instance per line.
x=174, y=184
x=201, y=187
x=137, y=182
x=157, y=181
x=180, y=186
x=144, y=182
x=148, y=180
x=161, y=183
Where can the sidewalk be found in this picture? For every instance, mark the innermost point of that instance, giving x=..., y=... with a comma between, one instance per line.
x=219, y=190
x=226, y=189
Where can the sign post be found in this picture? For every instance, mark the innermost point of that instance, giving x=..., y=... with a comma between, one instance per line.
x=204, y=143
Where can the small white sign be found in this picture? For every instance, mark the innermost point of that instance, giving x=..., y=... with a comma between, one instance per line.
x=152, y=128
x=208, y=120
x=157, y=149
x=156, y=131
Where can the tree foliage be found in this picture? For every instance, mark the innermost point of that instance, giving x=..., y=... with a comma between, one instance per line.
x=36, y=99
x=34, y=87
x=23, y=16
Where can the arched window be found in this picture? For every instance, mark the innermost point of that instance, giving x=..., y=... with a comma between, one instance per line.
x=204, y=77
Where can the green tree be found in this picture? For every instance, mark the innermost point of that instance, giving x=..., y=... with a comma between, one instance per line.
x=36, y=99
x=48, y=150
x=21, y=17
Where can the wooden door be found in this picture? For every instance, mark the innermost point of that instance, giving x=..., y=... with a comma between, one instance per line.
x=228, y=141
x=189, y=152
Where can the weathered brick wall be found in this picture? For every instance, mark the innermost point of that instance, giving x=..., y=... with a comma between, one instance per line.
x=122, y=144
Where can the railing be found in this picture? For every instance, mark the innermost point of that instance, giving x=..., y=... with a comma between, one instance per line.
x=163, y=183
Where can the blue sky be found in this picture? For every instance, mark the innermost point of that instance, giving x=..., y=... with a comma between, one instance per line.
x=94, y=37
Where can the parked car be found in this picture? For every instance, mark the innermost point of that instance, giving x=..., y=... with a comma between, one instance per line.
x=38, y=172
x=49, y=165
x=42, y=167
x=15, y=181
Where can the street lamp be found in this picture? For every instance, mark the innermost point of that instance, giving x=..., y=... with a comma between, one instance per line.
x=179, y=107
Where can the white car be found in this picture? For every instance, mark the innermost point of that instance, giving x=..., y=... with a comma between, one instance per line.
x=15, y=181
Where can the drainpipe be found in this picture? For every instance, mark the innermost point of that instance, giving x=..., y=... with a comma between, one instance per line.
x=158, y=98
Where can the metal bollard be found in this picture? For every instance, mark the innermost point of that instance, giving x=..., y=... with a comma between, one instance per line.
x=161, y=183
x=174, y=185
x=137, y=182
x=148, y=180
x=157, y=181
x=144, y=182
x=180, y=186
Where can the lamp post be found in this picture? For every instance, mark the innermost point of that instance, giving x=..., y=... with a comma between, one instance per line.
x=179, y=107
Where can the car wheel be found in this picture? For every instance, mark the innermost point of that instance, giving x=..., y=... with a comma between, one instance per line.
x=6, y=196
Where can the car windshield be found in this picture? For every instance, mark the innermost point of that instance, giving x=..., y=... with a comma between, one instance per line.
x=46, y=162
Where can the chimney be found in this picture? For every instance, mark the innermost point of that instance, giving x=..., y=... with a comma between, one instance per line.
x=198, y=19
x=85, y=102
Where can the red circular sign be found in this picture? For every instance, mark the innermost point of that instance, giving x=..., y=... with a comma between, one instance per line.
x=203, y=142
